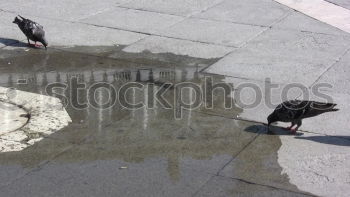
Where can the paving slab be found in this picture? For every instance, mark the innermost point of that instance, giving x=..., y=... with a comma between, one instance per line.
x=16, y=164
x=258, y=99
x=221, y=33
x=198, y=141
x=251, y=64
x=181, y=7
x=317, y=163
x=133, y=20
x=255, y=12
x=332, y=123
x=157, y=44
x=7, y=34
x=246, y=95
x=45, y=115
x=338, y=76
x=223, y=186
x=300, y=45
x=149, y=178
x=73, y=34
x=342, y=3
x=323, y=11
x=258, y=163
x=300, y=56
x=307, y=23
x=12, y=117
x=62, y=10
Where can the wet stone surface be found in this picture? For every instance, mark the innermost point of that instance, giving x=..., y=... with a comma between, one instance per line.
x=149, y=151
x=12, y=117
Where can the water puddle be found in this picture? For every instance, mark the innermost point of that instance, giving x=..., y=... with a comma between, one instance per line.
x=203, y=139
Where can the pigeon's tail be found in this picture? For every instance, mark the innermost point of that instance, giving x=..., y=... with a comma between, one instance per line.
x=318, y=108
x=335, y=109
x=324, y=106
x=22, y=17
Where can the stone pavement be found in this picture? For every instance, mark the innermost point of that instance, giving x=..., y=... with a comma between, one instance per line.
x=253, y=40
x=27, y=118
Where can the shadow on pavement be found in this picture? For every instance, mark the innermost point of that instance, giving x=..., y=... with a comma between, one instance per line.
x=262, y=129
x=9, y=41
x=333, y=140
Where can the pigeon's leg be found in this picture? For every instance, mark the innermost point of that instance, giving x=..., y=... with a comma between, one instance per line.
x=294, y=131
x=291, y=126
x=28, y=41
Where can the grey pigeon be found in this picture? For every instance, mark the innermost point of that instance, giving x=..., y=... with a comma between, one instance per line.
x=32, y=30
x=295, y=110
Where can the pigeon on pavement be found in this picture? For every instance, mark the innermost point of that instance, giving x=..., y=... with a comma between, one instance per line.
x=32, y=30
x=295, y=110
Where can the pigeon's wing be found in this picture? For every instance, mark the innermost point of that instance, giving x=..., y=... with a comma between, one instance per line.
x=35, y=30
x=38, y=31
x=284, y=112
x=28, y=26
x=37, y=25
x=291, y=110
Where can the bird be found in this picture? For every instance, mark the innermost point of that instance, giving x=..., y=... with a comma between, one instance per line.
x=295, y=110
x=32, y=30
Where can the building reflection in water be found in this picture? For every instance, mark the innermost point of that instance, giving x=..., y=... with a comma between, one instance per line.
x=136, y=134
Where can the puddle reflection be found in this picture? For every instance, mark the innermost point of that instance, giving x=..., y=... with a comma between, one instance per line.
x=131, y=135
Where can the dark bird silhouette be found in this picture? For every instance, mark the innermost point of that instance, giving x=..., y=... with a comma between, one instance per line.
x=295, y=110
x=32, y=30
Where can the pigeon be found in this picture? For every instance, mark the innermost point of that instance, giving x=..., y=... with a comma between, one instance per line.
x=295, y=110
x=32, y=30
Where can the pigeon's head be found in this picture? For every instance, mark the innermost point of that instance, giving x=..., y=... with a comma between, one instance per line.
x=17, y=20
x=44, y=42
x=272, y=118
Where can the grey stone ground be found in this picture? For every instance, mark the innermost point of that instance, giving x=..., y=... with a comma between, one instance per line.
x=207, y=153
x=342, y=3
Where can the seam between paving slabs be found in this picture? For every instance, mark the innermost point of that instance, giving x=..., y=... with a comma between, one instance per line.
x=337, y=4
x=235, y=156
x=21, y=107
x=134, y=31
x=45, y=162
x=232, y=159
x=263, y=185
x=190, y=16
x=160, y=12
x=218, y=172
x=200, y=188
x=36, y=168
x=247, y=145
x=331, y=66
x=257, y=35
x=307, y=16
x=140, y=32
